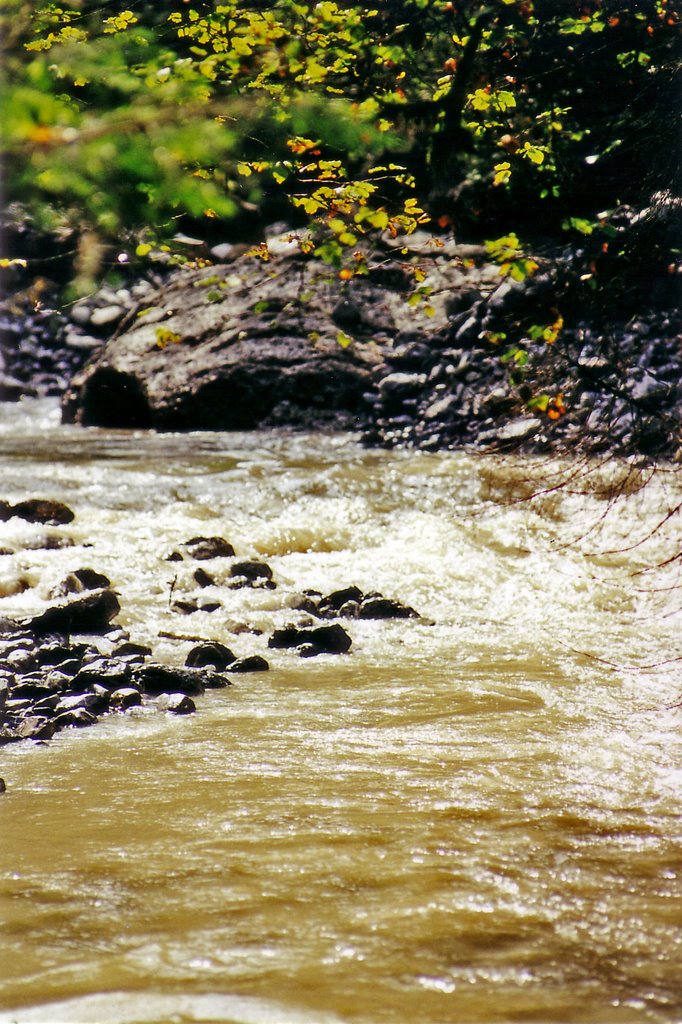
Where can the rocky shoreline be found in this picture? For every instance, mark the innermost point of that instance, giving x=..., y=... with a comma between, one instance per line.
x=246, y=344
x=70, y=664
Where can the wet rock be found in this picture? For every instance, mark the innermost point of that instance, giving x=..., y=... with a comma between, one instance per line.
x=156, y=679
x=204, y=548
x=36, y=727
x=324, y=639
x=94, y=703
x=252, y=663
x=9, y=587
x=110, y=674
x=124, y=698
x=188, y=606
x=214, y=680
x=176, y=703
x=210, y=653
x=378, y=607
x=307, y=651
x=3, y=786
x=203, y=578
x=78, y=718
x=91, y=613
x=78, y=581
x=240, y=582
x=129, y=649
x=251, y=570
x=338, y=598
x=39, y=510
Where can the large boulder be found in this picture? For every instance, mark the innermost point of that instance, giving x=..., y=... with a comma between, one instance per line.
x=225, y=348
x=251, y=343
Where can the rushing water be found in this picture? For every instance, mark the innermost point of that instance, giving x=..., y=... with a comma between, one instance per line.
x=471, y=817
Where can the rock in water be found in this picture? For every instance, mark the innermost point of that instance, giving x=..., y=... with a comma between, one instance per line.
x=90, y=613
x=319, y=640
x=40, y=510
x=210, y=653
x=157, y=679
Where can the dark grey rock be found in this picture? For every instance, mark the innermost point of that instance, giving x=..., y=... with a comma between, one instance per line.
x=112, y=674
x=129, y=649
x=156, y=679
x=42, y=510
x=324, y=639
x=239, y=357
x=78, y=581
x=203, y=578
x=252, y=663
x=90, y=613
x=210, y=653
x=32, y=690
x=379, y=607
x=188, y=606
x=204, y=548
x=251, y=570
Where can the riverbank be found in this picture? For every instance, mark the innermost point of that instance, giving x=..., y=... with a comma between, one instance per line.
x=479, y=360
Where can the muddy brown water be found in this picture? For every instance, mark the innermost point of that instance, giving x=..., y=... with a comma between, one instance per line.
x=471, y=817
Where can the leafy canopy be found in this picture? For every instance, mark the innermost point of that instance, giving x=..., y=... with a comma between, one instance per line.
x=138, y=120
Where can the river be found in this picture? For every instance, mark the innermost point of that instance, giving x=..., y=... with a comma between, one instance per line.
x=471, y=817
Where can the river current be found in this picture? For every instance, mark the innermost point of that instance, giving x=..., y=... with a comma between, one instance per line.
x=473, y=816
